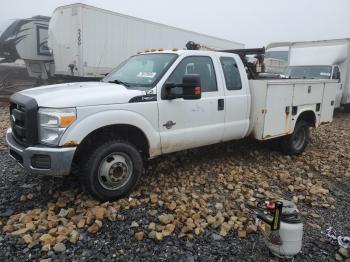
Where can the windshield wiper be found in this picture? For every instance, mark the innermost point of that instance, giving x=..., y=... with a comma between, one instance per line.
x=119, y=82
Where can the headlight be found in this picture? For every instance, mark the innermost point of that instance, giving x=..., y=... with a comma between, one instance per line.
x=53, y=122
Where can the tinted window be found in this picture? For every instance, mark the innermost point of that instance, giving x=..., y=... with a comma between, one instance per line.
x=231, y=73
x=201, y=65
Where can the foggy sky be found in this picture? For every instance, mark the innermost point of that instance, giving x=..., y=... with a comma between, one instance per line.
x=252, y=22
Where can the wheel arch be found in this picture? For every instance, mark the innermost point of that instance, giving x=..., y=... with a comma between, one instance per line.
x=309, y=116
x=126, y=125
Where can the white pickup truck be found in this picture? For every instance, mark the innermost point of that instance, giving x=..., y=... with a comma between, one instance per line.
x=157, y=103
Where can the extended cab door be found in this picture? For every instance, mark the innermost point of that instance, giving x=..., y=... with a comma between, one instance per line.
x=237, y=97
x=187, y=124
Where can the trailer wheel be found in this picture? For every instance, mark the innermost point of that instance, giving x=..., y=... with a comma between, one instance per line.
x=347, y=108
x=112, y=170
x=295, y=143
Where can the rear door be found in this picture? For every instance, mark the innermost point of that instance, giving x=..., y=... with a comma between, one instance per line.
x=187, y=124
x=237, y=98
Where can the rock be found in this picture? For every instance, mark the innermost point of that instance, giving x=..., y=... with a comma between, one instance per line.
x=30, y=196
x=219, y=206
x=314, y=215
x=211, y=219
x=224, y=229
x=47, y=239
x=74, y=237
x=30, y=226
x=152, y=234
x=251, y=229
x=314, y=225
x=100, y=213
x=19, y=232
x=166, y=218
x=338, y=257
x=134, y=224
x=151, y=226
x=46, y=247
x=172, y=206
x=27, y=238
x=45, y=260
x=63, y=212
x=23, y=198
x=154, y=198
x=59, y=247
x=216, y=237
x=60, y=238
x=169, y=229
x=343, y=252
x=95, y=227
x=159, y=236
x=139, y=235
x=152, y=212
x=8, y=228
x=242, y=233
x=81, y=223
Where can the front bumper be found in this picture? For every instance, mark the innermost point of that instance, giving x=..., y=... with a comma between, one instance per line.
x=53, y=161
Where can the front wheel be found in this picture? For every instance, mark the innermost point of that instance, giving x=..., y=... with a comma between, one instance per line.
x=112, y=170
x=295, y=143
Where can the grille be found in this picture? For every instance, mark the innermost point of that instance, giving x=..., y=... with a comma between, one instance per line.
x=23, y=119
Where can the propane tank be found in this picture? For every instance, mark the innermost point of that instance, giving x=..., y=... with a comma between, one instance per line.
x=284, y=237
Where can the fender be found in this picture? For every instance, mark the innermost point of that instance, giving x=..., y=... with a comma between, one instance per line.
x=80, y=129
x=303, y=109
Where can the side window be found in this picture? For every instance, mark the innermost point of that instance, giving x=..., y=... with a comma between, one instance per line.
x=201, y=65
x=336, y=73
x=231, y=73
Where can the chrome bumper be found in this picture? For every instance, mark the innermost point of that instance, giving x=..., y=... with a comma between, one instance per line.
x=60, y=158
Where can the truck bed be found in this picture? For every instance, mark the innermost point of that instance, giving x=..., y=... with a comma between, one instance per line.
x=276, y=104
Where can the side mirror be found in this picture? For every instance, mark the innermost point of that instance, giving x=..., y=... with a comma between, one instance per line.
x=191, y=88
x=191, y=85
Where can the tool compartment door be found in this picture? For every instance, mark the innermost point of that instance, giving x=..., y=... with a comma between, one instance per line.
x=278, y=110
x=328, y=101
x=307, y=93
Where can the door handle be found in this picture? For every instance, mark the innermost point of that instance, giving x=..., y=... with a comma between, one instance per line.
x=221, y=104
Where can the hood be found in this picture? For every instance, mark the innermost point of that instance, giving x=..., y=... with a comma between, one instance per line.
x=81, y=94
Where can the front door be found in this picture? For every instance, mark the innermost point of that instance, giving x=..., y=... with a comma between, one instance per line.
x=187, y=124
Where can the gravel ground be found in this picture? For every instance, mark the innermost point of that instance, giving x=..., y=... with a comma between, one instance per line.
x=220, y=180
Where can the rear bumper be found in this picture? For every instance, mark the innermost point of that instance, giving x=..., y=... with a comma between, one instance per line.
x=53, y=161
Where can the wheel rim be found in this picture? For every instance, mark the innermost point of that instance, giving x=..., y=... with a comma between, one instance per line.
x=299, y=139
x=115, y=171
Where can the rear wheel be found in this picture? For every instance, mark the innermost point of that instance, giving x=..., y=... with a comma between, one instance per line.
x=295, y=143
x=112, y=170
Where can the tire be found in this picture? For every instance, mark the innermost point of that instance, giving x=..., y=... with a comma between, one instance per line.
x=347, y=108
x=112, y=170
x=296, y=143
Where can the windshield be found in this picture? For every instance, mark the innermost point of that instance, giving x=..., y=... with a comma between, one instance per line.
x=309, y=72
x=280, y=55
x=141, y=70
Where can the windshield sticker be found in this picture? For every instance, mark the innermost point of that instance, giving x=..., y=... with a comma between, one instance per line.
x=324, y=74
x=147, y=74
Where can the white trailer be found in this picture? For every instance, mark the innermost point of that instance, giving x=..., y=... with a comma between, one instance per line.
x=89, y=42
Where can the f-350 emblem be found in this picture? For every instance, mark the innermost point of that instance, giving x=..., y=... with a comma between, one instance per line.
x=169, y=124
